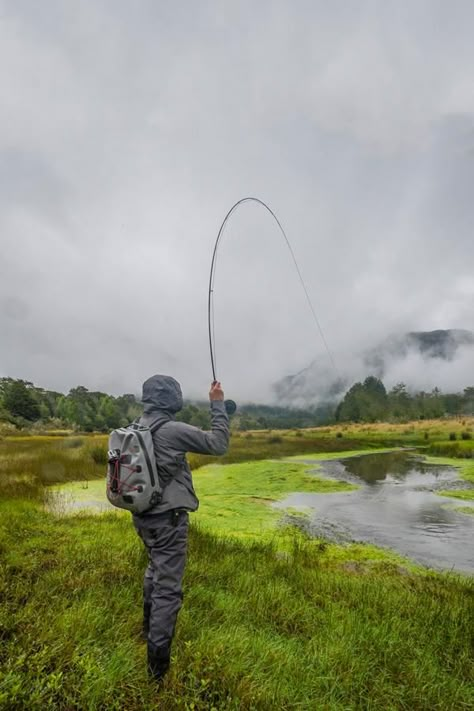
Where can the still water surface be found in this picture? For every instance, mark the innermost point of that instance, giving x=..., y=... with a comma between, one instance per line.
x=395, y=507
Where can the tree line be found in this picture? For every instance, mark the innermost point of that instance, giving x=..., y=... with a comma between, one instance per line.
x=369, y=401
x=22, y=403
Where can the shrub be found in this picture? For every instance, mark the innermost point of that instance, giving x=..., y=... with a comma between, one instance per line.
x=466, y=435
x=99, y=455
x=274, y=440
x=452, y=436
x=339, y=435
x=72, y=442
x=426, y=435
x=298, y=433
x=460, y=450
x=7, y=428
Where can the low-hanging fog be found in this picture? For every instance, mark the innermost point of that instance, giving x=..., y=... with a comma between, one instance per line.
x=128, y=131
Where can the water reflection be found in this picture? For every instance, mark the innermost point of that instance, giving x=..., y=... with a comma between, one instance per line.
x=392, y=467
x=396, y=507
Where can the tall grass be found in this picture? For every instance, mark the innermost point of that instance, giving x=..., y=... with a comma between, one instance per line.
x=257, y=631
x=263, y=445
x=461, y=449
x=306, y=626
x=28, y=464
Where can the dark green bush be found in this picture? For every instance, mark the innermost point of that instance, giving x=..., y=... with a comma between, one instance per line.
x=99, y=455
x=466, y=435
x=452, y=436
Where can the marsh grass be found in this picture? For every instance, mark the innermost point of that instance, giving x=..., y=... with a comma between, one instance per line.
x=308, y=630
x=408, y=433
x=52, y=458
x=269, y=622
x=264, y=446
x=460, y=449
x=28, y=464
x=465, y=510
x=466, y=494
x=235, y=499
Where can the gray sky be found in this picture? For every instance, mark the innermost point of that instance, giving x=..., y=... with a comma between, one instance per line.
x=128, y=129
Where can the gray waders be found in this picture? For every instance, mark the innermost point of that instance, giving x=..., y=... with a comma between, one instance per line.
x=165, y=537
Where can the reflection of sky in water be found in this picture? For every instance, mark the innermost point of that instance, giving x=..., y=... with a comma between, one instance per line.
x=391, y=468
x=395, y=508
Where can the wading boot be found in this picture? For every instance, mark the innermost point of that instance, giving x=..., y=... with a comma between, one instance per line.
x=158, y=660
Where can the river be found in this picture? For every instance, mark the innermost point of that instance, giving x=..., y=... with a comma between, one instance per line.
x=395, y=507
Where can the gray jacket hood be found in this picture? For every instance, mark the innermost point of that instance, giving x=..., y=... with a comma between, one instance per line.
x=162, y=392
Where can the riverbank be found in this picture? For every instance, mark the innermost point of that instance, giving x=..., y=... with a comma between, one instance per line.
x=465, y=467
x=385, y=498
x=466, y=472
x=271, y=619
x=315, y=627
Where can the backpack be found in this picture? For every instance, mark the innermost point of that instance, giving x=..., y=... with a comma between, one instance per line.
x=132, y=473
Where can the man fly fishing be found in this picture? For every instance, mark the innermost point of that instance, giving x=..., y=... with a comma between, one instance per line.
x=164, y=528
x=148, y=475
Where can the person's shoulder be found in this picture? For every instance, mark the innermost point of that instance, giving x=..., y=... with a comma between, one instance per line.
x=176, y=427
x=182, y=436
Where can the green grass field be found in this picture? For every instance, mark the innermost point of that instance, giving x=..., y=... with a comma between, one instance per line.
x=271, y=620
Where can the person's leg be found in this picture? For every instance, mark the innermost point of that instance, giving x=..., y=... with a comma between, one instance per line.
x=147, y=592
x=147, y=587
x=166, y=544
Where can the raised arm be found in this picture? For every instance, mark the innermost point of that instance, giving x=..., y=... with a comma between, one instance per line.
x=192, y=439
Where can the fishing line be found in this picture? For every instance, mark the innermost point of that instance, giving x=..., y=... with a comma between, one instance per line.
x=210, y=302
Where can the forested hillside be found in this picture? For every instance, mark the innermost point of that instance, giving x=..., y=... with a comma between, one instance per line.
x=370, y=402
x=22, y=404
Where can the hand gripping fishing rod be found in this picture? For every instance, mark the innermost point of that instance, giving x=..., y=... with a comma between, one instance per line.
x=230, y=405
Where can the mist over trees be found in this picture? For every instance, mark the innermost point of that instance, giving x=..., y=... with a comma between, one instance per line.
x=23, y=404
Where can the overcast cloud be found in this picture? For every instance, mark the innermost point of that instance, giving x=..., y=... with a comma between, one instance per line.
x=127, y=130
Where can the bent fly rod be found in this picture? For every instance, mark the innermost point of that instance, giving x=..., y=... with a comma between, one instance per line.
x=230, y=404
